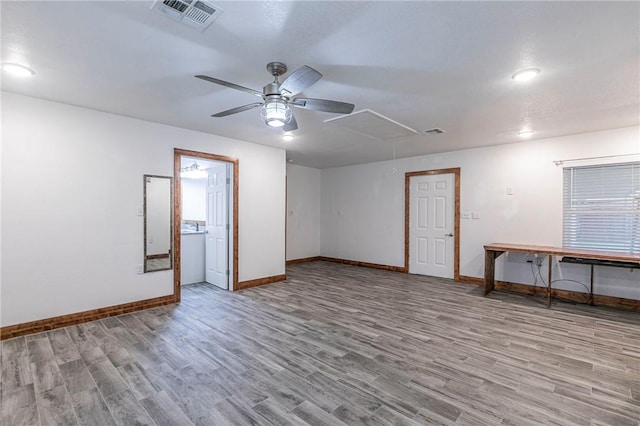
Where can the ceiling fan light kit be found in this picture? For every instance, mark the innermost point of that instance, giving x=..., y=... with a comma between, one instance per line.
x=277, y=97
x=276, y=113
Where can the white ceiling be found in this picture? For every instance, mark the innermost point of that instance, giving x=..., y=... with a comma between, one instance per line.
x=423, y=64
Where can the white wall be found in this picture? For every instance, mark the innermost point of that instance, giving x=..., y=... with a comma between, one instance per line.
x=303, y=212
x=71, y=189
x=362, y=216
x=194, y=199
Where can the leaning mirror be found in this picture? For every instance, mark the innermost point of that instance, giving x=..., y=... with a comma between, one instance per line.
x=158, y=223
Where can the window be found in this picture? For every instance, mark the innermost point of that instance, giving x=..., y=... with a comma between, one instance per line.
x=602, y=208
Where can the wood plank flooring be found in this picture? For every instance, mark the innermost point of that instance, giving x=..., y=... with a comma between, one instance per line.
x=334, y=344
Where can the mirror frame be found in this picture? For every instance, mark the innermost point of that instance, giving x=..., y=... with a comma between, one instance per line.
x=145, y=268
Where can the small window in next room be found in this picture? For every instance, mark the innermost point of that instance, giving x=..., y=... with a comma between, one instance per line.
x=601, y=208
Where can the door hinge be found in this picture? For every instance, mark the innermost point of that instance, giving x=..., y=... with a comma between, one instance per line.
x=227, y=226
x=228, y=181
x=228, y=272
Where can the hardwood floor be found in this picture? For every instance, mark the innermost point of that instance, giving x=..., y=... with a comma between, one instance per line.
x=333, y=344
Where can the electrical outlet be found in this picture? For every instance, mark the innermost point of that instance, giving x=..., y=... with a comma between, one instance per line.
x=466, y=214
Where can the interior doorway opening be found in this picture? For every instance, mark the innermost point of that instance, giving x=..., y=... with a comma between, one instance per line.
x=206, y=220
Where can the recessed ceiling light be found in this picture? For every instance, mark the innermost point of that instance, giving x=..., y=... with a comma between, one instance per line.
x=287, y=137
x=525, y=133
x=17, y=69
x=526, y=74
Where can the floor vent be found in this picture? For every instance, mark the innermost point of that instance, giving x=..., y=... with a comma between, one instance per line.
x=197, y=14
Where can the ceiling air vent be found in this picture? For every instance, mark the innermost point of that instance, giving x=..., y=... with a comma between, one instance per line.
x=195, y=13
x=434, y=131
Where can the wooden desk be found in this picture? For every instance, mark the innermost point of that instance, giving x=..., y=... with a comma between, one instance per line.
x=493, y=251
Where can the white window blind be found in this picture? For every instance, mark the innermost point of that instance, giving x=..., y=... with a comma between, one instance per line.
x=602, y=208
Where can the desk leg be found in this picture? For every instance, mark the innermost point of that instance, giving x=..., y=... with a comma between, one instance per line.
x=549, y=282
x=591, y=287
x=489, y=271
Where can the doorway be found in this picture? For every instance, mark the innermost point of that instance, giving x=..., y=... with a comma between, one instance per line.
x=432, y=223
x=206, y=218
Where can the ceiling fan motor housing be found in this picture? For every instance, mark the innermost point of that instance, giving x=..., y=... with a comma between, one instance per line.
x=272, y=89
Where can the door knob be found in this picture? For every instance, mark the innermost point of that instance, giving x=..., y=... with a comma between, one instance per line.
x=448, y=235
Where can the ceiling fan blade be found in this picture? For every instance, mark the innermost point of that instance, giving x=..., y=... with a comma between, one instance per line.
x=323, y=105
x=231, y=85
x=291, y=125
x=299, y=80
x=237, y=109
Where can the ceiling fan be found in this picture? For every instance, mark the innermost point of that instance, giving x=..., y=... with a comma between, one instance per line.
x=277, y=97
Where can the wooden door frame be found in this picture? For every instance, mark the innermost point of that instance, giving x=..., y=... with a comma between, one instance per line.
x=456, y=216
x=177, y=211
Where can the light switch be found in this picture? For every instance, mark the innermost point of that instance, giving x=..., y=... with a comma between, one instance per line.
x=466, y=214
x=140, y=211
x=509, y=191
x=475, y=215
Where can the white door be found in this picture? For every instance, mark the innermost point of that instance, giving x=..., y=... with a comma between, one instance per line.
x=216, y=231
x=431, y=225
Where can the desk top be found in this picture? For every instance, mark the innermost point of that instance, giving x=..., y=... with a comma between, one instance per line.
x=559, y=251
